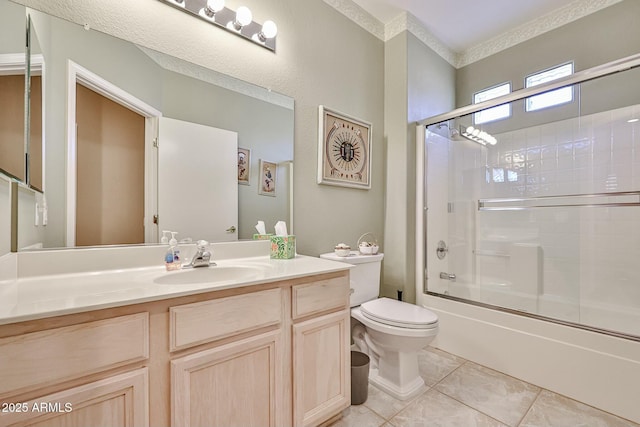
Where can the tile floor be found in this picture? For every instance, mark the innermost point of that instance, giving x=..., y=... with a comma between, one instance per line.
x=461, y=393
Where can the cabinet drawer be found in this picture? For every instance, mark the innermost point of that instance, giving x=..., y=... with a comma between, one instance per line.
x=56, y=355
x=202, y=322
x=320, y=296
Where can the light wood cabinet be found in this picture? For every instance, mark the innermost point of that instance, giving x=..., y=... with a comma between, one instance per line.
x=57, y=355
x=237, y=384
x=275, y=354
x=321, y=371
x=119, y=400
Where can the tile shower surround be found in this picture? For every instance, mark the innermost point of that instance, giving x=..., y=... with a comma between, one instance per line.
x=589, y=254
x=461, y=393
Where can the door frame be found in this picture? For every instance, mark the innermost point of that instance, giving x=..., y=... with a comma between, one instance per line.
x=15, y=64
x=80, y=75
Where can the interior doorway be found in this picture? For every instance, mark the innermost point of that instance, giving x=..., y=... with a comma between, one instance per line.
x=110, y=171
x=131, y=167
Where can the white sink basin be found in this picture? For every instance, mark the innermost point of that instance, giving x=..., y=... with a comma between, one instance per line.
x=209, y=275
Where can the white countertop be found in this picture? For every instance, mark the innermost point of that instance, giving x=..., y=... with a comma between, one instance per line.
x=37, y=297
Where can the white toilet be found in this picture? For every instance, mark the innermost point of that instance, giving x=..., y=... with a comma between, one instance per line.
x=391, y=332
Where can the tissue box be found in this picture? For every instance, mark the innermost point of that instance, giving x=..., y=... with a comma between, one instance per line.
x=283, y=247
x=262, y=236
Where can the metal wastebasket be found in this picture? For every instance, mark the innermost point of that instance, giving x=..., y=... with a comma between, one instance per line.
x=359, y=377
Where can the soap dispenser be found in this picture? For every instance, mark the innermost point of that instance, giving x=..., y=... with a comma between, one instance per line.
x=176, y=250
x=168, y=260
x=172, y=257
x=165, y=236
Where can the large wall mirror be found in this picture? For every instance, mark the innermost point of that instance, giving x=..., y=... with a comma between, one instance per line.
x=105, y=100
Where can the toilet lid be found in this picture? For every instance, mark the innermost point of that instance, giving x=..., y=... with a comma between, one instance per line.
x=398, y=313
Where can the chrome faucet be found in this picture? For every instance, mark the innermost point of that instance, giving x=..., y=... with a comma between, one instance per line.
x=202, y=257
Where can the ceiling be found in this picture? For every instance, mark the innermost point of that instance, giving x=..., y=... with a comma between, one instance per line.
x=462, y=24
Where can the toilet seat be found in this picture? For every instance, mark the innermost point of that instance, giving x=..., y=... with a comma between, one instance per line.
x=399, y=314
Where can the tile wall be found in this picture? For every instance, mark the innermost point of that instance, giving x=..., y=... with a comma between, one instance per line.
x=572, y=263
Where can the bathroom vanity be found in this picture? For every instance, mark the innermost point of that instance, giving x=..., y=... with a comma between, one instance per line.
x=265, y=349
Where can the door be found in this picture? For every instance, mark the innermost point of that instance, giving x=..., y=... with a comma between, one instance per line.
x=237, y=384
x=321, y=370
x=197, y=181
x=120, y=400
x=110, y=171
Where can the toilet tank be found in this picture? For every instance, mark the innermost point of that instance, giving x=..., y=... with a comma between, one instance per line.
x=365, y=276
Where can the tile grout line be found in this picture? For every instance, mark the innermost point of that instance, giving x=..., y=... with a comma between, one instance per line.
x=388, y=420
x=475, y=409
x=530, y=406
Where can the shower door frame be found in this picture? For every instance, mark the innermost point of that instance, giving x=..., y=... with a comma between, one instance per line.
x=606, y=69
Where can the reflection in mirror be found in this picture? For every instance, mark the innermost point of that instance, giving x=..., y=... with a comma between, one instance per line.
x=149, y=84
x=33, y=114
x=12, y=88
x=5, y=215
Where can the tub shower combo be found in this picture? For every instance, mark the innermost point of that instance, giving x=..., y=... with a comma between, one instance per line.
x=539, y=213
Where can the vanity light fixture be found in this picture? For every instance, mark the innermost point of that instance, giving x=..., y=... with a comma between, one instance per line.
x=240, y=22
x=243, y=17
x=211, y=8
x=477, y=135
x=268, y=31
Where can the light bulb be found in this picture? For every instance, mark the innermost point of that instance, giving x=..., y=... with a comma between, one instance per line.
x=475, y=132
x=210, y=10
x=269, y=29
x=470, y=130
x=243, y=16
x=215, y=5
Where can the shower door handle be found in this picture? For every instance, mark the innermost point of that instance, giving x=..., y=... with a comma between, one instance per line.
x=448, y=276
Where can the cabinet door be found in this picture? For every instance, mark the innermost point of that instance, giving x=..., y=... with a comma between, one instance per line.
x=237, y=384
x=321, y=370
x=121, y=400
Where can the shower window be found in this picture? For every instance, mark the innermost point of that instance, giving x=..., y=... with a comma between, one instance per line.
x=494, y=113
x=546, y=221
x=555, y=97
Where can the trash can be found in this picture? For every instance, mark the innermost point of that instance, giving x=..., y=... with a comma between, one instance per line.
x=359, y=377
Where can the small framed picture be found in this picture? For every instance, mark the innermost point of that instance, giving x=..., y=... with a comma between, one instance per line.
x=267, y=179
x=244, y=165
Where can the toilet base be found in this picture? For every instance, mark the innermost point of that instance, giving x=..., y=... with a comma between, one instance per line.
x=406, y=392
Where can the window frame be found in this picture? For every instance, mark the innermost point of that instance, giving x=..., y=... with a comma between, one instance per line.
x=473, y=101
x=527, y=100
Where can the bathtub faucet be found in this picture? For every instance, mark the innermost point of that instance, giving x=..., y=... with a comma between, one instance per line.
x=448, y=276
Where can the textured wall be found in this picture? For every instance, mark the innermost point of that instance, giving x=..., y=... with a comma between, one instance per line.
x=322, y=58
x=592, y=40
x=418, y=84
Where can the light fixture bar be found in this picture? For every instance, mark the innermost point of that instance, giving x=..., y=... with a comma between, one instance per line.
x=477, y=135
x=262, y=35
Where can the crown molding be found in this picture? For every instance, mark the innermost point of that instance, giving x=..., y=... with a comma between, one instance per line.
x=415, y=27
x=552, y=20
x=358, y=15
x=407, y=22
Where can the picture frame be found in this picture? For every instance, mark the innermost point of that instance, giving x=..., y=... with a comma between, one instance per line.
x=344, y=150
x=244, y=166
x=267, y=178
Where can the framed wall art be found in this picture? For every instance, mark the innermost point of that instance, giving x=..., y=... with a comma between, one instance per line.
x=244, y=165
x=267, y=179
x=344, y=150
